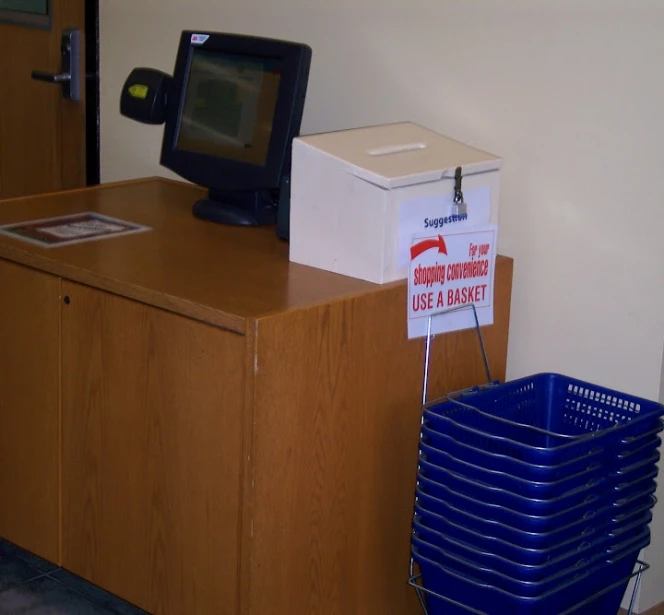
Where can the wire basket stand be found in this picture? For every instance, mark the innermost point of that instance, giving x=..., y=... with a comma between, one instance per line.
x=415, y=579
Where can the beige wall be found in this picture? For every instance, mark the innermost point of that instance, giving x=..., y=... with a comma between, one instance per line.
x=569, y=92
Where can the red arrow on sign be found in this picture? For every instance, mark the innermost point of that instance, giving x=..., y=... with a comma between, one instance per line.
x=427, y=244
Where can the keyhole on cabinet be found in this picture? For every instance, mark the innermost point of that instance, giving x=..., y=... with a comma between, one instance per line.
x=67, y=300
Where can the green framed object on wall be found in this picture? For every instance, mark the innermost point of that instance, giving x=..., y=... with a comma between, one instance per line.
x=30, y=13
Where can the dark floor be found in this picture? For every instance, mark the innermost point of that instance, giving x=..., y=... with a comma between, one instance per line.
x=31, y=586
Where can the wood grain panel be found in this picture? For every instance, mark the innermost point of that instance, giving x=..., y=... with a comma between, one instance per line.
x=151, y=454
x=335, y=455
x=29, y=409
x=29, y=161
x=42, y=135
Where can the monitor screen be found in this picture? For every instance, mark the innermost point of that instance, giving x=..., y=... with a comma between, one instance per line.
x=229, y=105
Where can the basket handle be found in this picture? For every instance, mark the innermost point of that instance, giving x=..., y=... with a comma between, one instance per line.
x=646, y=435
x=641, y=509
x=427, y=354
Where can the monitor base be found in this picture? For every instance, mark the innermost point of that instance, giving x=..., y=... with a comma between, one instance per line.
x=252, y=208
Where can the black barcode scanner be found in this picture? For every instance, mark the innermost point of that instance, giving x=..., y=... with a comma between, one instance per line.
x=144, y=96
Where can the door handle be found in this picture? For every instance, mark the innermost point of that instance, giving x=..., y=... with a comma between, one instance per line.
x=69, y=78
x=39, y=75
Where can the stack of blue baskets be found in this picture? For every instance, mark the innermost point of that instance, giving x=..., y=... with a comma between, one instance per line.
x=533, y=496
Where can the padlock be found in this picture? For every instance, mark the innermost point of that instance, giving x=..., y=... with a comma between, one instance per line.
x=459, y=208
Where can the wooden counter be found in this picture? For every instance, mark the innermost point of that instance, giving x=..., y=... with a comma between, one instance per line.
x=201, y=427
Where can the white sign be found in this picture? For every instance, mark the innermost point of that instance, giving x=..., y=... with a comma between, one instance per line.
x=449, y=270
x=435, y=213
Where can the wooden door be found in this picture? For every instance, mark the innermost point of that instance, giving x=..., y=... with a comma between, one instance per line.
x=42, y=134
x=29, y=409
x=151, y=421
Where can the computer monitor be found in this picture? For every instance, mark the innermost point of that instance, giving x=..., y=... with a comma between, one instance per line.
x=234, y=106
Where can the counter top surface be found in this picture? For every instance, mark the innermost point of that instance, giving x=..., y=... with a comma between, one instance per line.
x=220, y=274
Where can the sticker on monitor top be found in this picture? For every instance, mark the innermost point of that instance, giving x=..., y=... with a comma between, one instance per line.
x=199, y=39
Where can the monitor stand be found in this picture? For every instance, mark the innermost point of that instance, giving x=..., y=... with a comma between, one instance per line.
x=250, y=208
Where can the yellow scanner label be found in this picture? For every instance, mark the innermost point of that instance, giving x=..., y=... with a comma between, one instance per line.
x=138, y=91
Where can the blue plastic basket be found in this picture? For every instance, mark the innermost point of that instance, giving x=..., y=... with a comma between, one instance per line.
x=533, y=495
x=529, y=518
x=545, y=418
x=596, y=459
x=505, y=480
x=524, y=502
x=488, y=509
x=466, y=426
x=558, y=407
x=532, y=533
x=500, y=455
x=511, y=544
x=500, y=561
x=527, y=588
x=486, y=598
x=439, y=465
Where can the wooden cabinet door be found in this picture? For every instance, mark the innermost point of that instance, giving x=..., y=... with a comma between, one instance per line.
x=29, y=408
x=151, y=453
x=42, y=134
